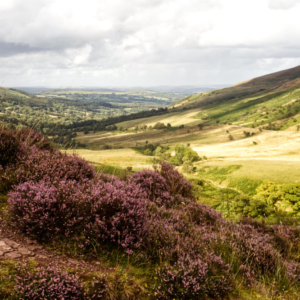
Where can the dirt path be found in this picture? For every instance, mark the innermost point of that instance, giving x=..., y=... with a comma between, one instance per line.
x=18, y=247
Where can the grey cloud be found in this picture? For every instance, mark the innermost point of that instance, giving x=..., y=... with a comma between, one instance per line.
x=138, y=42
x=11, y=49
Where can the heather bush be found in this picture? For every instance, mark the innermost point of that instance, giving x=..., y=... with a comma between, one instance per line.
x=31, y=137
x=166, y=231
x=118, y=215
x=287, y=239
x=194, y=278
x=293, y=271
x=254, y=248
x=176, y=183
x=47, y=283
x=101, y=212
x=52, y=167
x=43, y=210
x=154, y=185
x=201, y=214
x=11, y=148
x=96, y=288
x=164, y=186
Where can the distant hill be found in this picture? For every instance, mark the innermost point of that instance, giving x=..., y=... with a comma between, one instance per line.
x=272, y=99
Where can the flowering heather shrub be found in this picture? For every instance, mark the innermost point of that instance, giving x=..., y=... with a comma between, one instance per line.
x=31, y=138
x=102, y=212
x=201, y=214
x=47, y=283
x=97, y=288
x=293, y=271
x=176, y=183
x=118, y=215
x=284, y=238
x=154, y=185
x=165, y=234
x=254, y=248
x=106, y=178
x=248, y=275
x=287, y=239
x=52, y=166
x=194, y=278
x=42, y=209
x=11, y=149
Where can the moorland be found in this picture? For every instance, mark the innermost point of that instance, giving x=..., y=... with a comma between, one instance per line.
x=196, y=200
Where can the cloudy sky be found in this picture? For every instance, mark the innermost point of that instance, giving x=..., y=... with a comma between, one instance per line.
x=145, y=42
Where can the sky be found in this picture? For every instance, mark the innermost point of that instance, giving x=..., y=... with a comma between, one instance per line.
x=105, y=43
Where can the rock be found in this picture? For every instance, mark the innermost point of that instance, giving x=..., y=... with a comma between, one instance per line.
x=24, y=251
x=98, y=263
x=35, y=247
x=73, y=261
x=13, y=255
x=39, y=256
x=11, y=243
x=31, y=242
x=5, y=249
x=1, y=253
x=2, y=243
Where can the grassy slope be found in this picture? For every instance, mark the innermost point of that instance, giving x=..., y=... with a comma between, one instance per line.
x=276, y=153
x=255, y=102
x=12, y=93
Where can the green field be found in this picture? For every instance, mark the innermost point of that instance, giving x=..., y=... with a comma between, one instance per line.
x=122, y=158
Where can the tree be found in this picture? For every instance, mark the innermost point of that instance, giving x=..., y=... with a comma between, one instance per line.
x=148, y=152
x=188, y=167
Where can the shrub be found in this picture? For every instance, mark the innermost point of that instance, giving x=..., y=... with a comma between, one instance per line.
x=166, y=231
x=11, y=149
x=255, y=249
x=51, y=166
x=101, y=212
x=194, y=278
x=176, y=183
x=31, y=138
x=118, y=216
x=47, y=283
x=154, y=185
x=202, y=215
x=188, y=167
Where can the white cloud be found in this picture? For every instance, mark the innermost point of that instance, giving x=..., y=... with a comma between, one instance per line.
x=283, y=4
x=116, y=42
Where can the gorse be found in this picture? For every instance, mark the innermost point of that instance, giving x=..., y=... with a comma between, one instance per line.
x=151, y=215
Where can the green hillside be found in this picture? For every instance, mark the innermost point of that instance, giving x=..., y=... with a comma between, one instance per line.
x=271, y=100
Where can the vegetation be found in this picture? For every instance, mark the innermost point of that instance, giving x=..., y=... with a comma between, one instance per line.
x=62, y=114
x=151, y=219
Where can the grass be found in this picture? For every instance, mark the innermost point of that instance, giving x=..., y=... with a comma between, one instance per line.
x=118, y=158
x=256, y=170
x=174, y=118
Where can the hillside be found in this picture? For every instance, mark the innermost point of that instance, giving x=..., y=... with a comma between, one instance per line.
x=60, y=113
x=242, y=141
x=71, y=231
x=268, y=99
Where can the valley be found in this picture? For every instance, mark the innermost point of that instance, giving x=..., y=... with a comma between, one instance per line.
x=141, y=198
